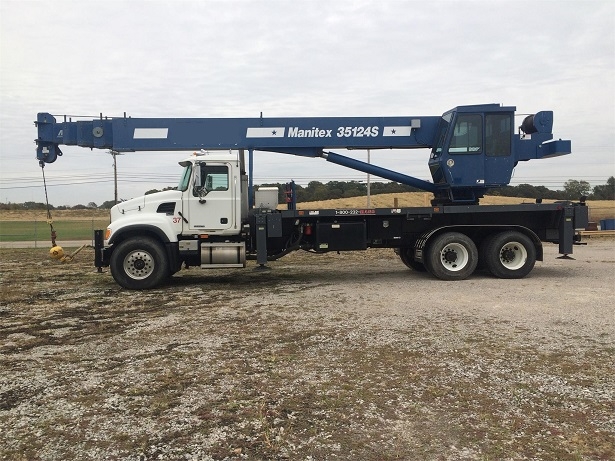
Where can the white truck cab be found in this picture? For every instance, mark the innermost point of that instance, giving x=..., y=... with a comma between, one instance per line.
x=214, y=197
x=211, y=198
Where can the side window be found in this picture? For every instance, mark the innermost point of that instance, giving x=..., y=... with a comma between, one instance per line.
x=467, y=135
x=212, y=178
x=216, y=177
x=498, y=134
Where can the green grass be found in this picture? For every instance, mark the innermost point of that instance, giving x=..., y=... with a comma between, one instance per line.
x=14, y=231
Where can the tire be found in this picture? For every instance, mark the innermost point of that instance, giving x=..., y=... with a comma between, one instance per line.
x=510, y=255
x=451, y=256
x=482, y=252
x=139, y=263
x=405, y=254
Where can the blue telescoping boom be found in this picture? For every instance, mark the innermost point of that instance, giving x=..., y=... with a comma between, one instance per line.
x=473, y=148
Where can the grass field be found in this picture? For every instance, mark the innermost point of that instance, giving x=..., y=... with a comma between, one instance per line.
x=13, y=231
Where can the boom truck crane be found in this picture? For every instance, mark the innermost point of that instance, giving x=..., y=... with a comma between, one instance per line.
x=208, y=221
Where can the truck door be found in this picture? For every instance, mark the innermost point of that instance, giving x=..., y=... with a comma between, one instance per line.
x=498, y=141
x=211, y=201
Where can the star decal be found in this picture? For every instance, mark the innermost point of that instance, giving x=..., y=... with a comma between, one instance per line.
x=274, y=132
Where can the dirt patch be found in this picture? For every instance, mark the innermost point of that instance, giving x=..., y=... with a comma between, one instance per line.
x=347, y=356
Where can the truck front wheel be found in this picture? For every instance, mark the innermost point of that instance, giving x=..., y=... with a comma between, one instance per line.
x=451, y=256
x=509, y=255
x=139, y=263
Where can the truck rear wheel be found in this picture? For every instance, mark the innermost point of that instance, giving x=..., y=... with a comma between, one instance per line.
x=451, y=256
x=510, y=255
x=405, y=254
x=139, y=263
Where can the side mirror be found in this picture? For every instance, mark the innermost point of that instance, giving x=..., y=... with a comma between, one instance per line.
x=198, y=190
x=196, y=183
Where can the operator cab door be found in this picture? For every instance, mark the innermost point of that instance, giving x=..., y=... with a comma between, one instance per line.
x=466, y=163
x=210, y=199
x=498, y=141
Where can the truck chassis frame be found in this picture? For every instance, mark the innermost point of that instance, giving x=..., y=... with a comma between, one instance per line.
x=449, y=242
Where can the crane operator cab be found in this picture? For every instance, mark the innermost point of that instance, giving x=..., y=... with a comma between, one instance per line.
x=476, y=149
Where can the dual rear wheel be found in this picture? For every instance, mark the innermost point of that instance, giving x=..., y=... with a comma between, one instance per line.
x=454, y=255
x=451, y=256
x=508, y=255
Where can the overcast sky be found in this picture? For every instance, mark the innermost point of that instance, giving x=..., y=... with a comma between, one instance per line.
x=297, y=58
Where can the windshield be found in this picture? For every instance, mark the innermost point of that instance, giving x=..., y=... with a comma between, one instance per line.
x=443, y=128
x=185, y=179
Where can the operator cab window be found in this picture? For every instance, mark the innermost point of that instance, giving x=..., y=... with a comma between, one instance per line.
x=498, y=134
x=467, y=135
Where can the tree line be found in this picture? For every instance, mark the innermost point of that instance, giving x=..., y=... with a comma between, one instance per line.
x=317, y=191
x=572, y=190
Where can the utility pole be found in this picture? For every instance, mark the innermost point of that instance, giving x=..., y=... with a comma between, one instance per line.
x=114, y=154
x=368, y=182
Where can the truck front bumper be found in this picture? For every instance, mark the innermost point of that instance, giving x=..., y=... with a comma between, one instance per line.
x=101, y=253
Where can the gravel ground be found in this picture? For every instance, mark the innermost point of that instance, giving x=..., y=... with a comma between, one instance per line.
x=345, y=357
